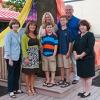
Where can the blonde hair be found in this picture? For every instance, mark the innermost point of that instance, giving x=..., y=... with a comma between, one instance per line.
x=43, y=19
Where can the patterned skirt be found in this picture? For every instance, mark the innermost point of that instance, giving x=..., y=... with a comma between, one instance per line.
x=33, y=55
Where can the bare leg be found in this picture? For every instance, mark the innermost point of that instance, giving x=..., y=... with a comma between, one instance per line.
x=68, y=74
x=83, y=84
x=47, y=76
x=27, y=82
x=53, y=77
x=62, y=73
x=88, y=85
x=32, y=83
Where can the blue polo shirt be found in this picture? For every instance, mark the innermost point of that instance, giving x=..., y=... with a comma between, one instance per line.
x=64, y=38
x=73, y=26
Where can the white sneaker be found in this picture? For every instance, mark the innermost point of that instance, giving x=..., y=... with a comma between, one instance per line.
x=12, y=95
x=18, y=91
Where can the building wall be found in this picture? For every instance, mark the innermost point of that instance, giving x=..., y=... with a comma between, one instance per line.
x=88, y=9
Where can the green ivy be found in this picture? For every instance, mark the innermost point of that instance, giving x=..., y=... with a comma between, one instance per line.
x=18, y=4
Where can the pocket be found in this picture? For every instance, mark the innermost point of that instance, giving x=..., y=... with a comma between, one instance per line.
x=53, y=60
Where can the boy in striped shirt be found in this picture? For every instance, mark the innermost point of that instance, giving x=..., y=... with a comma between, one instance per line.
x=49, y=44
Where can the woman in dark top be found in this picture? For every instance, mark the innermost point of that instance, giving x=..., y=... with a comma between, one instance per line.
x=30, y=52
x=85, y=57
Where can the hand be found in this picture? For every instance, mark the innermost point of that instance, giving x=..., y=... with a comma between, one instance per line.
x=75, y=53
x=77, y=57
x=27, y=61
x=43, y=32
x=10, y=62
x=67, y=55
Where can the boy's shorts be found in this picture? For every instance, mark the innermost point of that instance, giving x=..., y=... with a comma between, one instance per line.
x=49, y=65
x=63, y=62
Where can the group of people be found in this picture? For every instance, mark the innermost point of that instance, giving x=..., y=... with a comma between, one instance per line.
x=68, y=41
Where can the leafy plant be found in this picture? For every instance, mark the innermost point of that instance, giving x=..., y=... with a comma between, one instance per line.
x=16, y=5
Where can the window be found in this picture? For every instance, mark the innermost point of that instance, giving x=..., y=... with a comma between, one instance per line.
x=66, y=1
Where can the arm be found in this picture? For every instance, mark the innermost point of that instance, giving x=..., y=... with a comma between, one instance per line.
x=70, y=45
x=79, y=56
x=69, y=50
x=54, y=54
x=41, y=32
x=7, y=46
x=55, y=50
x=24, y=46
x=90, y=44
x=56, y=46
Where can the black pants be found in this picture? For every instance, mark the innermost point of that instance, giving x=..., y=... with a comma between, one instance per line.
x=13, y=75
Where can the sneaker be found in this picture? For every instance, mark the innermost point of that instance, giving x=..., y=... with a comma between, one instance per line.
x=18, y=92
x=12, y=95
x=75, y=81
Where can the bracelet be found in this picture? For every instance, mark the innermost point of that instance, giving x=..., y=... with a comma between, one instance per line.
x=80, y=57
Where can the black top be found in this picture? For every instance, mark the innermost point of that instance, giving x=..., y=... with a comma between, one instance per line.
x=86, y=65
x=85, y=44
x=33, y=42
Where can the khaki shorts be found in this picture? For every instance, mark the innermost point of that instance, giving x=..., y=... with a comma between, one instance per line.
x=63, y=62
x=48, y=65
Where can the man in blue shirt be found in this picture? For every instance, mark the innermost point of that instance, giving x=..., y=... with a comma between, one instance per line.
x=73, y=23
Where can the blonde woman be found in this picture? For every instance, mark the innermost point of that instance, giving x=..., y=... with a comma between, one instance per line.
x=47, y=18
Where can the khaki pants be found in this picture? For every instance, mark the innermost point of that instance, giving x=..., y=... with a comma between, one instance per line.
x=63, y=62
x=48, y=65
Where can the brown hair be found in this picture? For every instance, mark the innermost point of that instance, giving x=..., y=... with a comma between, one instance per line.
x=31, y=23
x=12, y=22
x=63, y=16
x=47, y=24
x=85, y=23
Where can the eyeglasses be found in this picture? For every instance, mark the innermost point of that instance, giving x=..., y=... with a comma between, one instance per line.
x=15, y=26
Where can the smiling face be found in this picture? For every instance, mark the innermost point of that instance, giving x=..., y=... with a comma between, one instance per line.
x=15, y=27
x=63, y=21
x=32, y=27
x=49, y=29
x=69, y=11
x=47, y=18
x=83, y=28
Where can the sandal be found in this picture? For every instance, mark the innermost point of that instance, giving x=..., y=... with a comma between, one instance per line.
x=51, y=84
x=33, y=91
x=45, y=83
x=66, y=84
x=29, y=93
x=12, y=95
x=60, y=82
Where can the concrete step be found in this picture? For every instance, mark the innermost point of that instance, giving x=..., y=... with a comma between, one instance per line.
x=55, y=91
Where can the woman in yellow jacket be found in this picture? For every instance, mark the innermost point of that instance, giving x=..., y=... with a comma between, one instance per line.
x=30, y=52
